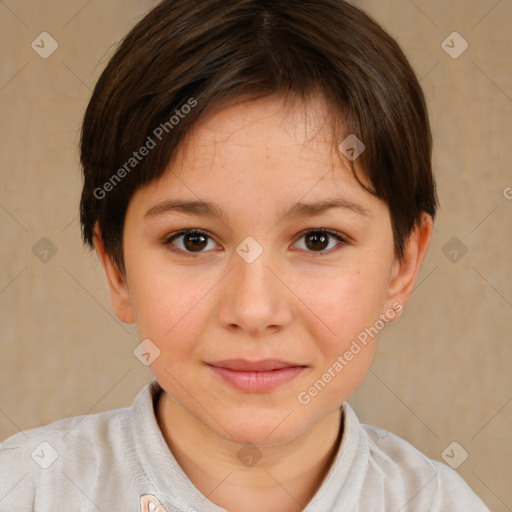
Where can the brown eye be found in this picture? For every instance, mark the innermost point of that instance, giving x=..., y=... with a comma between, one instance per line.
x=318, y=240
x=195, y=241
x=191, y=241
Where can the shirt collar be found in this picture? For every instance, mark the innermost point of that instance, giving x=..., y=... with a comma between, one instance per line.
x=175, y=488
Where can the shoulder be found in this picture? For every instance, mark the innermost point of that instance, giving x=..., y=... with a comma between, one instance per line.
x=423, y=480
x=89, y=428
x=54, y=456
x=398, y=473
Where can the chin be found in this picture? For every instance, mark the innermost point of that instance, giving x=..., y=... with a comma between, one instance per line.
x=265, y=429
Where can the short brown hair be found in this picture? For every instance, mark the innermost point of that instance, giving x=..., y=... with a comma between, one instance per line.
x=201, y=55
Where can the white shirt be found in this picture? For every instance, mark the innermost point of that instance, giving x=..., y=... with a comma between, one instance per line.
x=119, y=461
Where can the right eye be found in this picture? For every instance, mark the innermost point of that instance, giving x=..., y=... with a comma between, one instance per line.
x=189, y=241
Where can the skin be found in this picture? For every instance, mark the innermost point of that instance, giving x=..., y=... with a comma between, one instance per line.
x=291, y=303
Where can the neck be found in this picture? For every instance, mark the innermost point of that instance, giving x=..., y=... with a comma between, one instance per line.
x=285, y=477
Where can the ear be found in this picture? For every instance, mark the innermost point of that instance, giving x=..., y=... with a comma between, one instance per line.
x=405, y=271
x=116, y=282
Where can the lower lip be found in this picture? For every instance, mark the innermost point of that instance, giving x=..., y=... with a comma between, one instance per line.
x=258, y=382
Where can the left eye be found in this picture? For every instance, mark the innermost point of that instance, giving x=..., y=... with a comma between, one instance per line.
x=318, y=240
x=195, y=241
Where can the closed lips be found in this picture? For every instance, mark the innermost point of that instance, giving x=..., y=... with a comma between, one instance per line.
x=263, y=365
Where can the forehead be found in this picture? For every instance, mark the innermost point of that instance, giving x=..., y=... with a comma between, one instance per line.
x=265, y=151
x=251, y=135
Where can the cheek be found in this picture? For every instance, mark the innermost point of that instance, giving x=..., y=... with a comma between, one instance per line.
x=165, y=298
x=348, y=308
x=345, y=301
x=169, y=312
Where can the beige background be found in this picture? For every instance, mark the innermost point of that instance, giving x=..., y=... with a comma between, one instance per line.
x=442, y=373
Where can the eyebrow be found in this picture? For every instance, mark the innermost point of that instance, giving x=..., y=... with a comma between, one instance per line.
x=300, y=209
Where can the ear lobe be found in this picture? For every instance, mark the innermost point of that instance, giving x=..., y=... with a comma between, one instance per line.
x=405, y=271
x=116, y=282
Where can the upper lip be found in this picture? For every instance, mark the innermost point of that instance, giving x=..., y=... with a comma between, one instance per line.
x=262, y=365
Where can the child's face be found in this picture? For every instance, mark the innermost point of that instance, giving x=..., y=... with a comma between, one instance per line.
x=303, y=300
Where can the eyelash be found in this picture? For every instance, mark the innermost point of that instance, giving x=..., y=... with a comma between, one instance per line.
x=334, y=234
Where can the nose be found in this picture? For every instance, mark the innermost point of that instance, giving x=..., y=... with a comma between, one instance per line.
x=255, y=298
